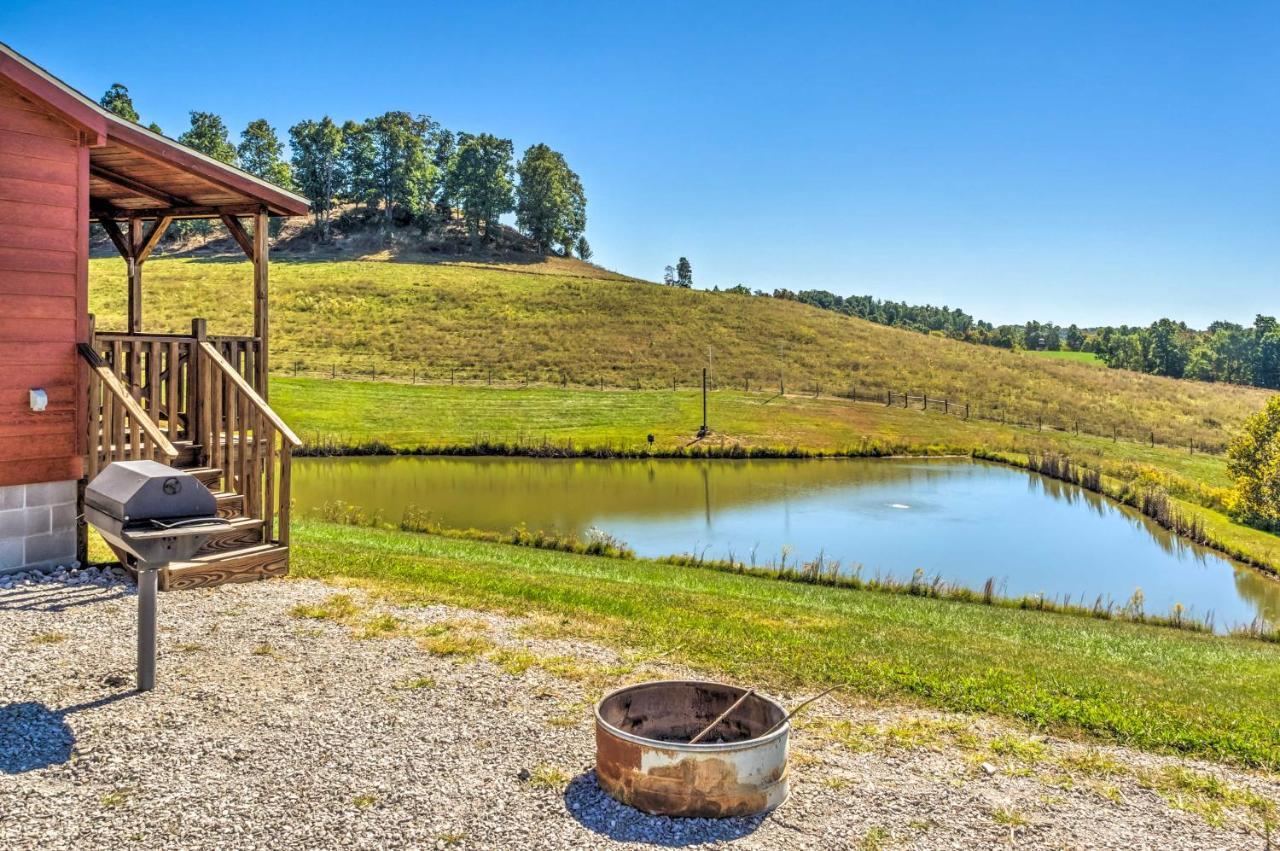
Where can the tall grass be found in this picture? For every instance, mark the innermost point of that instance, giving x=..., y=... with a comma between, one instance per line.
x=830, y=573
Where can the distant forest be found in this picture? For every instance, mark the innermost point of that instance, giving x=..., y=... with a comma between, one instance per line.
x=405, y=169
x=1225, y=351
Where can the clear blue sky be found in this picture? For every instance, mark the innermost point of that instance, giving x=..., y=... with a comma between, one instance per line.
x=1086, y=162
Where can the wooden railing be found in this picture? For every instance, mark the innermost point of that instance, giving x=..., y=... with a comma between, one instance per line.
x=245, y=439
x=119, y=428
x=157, y=370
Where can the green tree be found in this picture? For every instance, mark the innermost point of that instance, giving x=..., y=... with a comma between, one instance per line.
x=317, y=166
x=684, y=273
x=1165, y=353
x=1253, y=459
x=480, y=180
x=583, y=249
x=402, y=176
x=208, y=135
x=261, y=154
x=551, y=207
x=358, y=155
x=442, y=145
x=117, y=100
x=1074, y=338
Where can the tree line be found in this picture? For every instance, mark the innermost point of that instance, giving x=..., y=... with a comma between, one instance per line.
x=407, y=169
x=1225, y=351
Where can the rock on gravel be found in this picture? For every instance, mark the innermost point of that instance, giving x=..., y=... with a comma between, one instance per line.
x=440, y=729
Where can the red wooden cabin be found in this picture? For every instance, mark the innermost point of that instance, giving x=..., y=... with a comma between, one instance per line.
x=74, y=398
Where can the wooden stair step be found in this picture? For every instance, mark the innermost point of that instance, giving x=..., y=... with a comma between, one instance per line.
x=210, y=476
x=241, y=532
x=230, y=505
x=247, y=564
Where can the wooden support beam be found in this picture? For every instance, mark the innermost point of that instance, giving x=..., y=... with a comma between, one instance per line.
x=117, y=238
x=261, y=227
x=135, y=276
x=238, y=234
x=152, y=237
x=101, y=209
x=137, y=187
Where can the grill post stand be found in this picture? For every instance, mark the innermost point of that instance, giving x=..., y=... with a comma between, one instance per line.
x=147, y=576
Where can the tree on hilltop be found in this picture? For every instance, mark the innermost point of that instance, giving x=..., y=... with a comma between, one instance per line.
x=480, y=180
x=684, y=273
x=261, y=154
x=551, y=207
x=317, y=166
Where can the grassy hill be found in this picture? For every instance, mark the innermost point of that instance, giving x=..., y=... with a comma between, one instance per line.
x=554, y=320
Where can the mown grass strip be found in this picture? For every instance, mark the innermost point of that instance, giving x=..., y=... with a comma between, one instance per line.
x=1152, y=688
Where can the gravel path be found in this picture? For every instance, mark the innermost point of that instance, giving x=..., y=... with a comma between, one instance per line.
x=353, y=724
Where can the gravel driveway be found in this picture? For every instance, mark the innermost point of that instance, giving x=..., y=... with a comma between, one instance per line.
x=293, y=714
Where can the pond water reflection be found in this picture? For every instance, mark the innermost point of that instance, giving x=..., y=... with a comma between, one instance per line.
x=962, y=520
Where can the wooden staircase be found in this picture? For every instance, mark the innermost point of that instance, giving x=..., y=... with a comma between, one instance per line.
x=214, y=426
x=239, y=553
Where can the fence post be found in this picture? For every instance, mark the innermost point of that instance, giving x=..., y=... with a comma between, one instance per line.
x=414, y=378
x=373, y=372
x=1153, y=437
x=1039, y=423
x=333, y=371
x=295, y=369
x=966, y=410
x=888, y=398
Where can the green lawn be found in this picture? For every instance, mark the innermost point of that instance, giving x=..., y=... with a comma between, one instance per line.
x=1076, y=357
x=1153, y=688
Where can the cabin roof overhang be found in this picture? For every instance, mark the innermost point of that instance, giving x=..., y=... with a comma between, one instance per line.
x=135, y=172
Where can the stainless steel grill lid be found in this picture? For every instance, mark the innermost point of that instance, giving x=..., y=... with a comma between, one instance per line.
x=132, y=491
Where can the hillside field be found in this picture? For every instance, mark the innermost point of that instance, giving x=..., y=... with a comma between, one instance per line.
x=560, y=320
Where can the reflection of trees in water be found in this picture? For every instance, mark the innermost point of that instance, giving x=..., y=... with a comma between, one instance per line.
x=1263, y=592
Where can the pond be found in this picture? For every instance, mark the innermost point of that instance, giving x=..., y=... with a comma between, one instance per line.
x=965, y=521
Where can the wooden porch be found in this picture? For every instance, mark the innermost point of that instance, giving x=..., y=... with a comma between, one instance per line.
x=199, y=403
x=196, y=402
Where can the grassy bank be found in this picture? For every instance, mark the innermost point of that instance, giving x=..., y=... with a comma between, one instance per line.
x=1145, y=686
x=553, y=320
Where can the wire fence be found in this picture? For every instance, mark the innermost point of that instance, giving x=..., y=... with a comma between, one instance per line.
x=485, y=376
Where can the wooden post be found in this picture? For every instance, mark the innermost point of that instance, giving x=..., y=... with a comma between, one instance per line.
x=261, y=225
x=704, y=402
x=966, y=410
x=135, y=276
x=198, y=390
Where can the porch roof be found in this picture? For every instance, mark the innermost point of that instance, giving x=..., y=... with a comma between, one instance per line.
x=134, y=172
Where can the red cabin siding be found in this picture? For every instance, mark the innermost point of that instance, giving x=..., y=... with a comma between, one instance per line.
x=43, y=290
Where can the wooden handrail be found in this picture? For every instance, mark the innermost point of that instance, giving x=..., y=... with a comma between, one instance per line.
x=125, y=398
x=244, y=387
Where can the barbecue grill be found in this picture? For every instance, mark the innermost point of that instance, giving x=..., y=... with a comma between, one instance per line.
x=154, y=515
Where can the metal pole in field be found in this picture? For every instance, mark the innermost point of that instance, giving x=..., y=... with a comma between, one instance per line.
x=147, y=627
x=704, y=401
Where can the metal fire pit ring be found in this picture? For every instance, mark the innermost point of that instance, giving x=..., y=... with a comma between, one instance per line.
x=643, y=758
